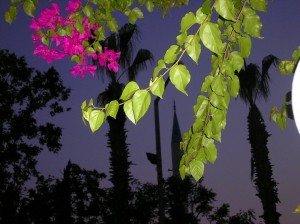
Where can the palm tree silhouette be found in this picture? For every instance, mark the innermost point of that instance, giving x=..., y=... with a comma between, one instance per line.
x=119, y=164
x=254, y=84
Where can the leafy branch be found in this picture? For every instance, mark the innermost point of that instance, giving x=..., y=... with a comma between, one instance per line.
x=228, y=39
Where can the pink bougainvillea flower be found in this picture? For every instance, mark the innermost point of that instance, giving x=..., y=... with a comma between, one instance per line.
x=47, y=27
x=36, y=38
x=73, y=6
x=35, y=25
x=57, y=39
x=50, y=17
x=49, y=55
x=82, y=69
x=113, y=66
x=109, y=57
x=72, y=46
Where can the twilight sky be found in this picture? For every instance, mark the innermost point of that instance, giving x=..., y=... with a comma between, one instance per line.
x=229, y=177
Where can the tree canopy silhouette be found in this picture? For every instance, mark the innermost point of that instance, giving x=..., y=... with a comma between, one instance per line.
x=25, y=91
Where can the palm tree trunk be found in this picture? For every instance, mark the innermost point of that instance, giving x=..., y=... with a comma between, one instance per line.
x=261, y=167
x=119, y=168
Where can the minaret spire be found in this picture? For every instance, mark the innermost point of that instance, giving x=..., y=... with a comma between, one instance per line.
x=175, y=144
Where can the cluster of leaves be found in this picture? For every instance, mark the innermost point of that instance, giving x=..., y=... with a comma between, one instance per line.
x=229, y=40
x=286, y=67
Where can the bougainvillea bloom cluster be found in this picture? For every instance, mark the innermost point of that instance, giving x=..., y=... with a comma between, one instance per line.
x=52, y=42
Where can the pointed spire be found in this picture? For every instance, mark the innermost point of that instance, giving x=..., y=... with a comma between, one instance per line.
x=175, y=144
x=176, y=134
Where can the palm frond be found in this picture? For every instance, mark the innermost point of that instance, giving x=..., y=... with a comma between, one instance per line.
x=249, y=78
x=268, y=61
x=140, y=62
x=127, y=35
x=263, y=87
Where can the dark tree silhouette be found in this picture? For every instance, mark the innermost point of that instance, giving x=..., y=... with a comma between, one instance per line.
x=119, y=163
x=254, y=84
x=221, y=215
x=145, y=203
x=187, y=201
x=75, y=199
x=24, y=91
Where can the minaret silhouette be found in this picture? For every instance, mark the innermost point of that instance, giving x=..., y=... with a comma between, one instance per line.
x=175, y=145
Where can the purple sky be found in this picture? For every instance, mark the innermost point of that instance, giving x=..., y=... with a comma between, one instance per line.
x=229, y=177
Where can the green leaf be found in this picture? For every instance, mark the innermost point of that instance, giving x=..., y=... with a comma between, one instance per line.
x=78, y=26
x=128, y=109
x=252, y=24
x=260, y=5
x=86, y=113
x=286, y=67
x=206, y=7
x=225, y=9
x=90, y=50
x=96, y=119
x=206, y=84
x=135, y=14
x=187, y=21
x=181, y=38
x=157, y=87
x=11, y=14
x=140, y=103
x=201, y=156
x=112, y=109
x=218, y=86
x=234, y=85
x=83, y=105
x=61, y=32
x=196, y=169
x=29, y=7
x=236, y=60
x=75, y=58
x=218, y=101
x=45, y=40
x=218, y=117
x=245, y=45
x=210, y=35
x=91, y=102
x=211, y=152
x=182, y=171
x=69, y=30
x=212, y=131
x=200, y=108
x=171, y=54
x=111, y=23
x=129, y=89
x=97, y=46
x=193, y=47
x=297, y=210
x=279, y=118
x=180, y=77
x=88, y=11
x=149, y=6
x=139, y=14
x=200, y=16
x=160, y=65
x=296, y=54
